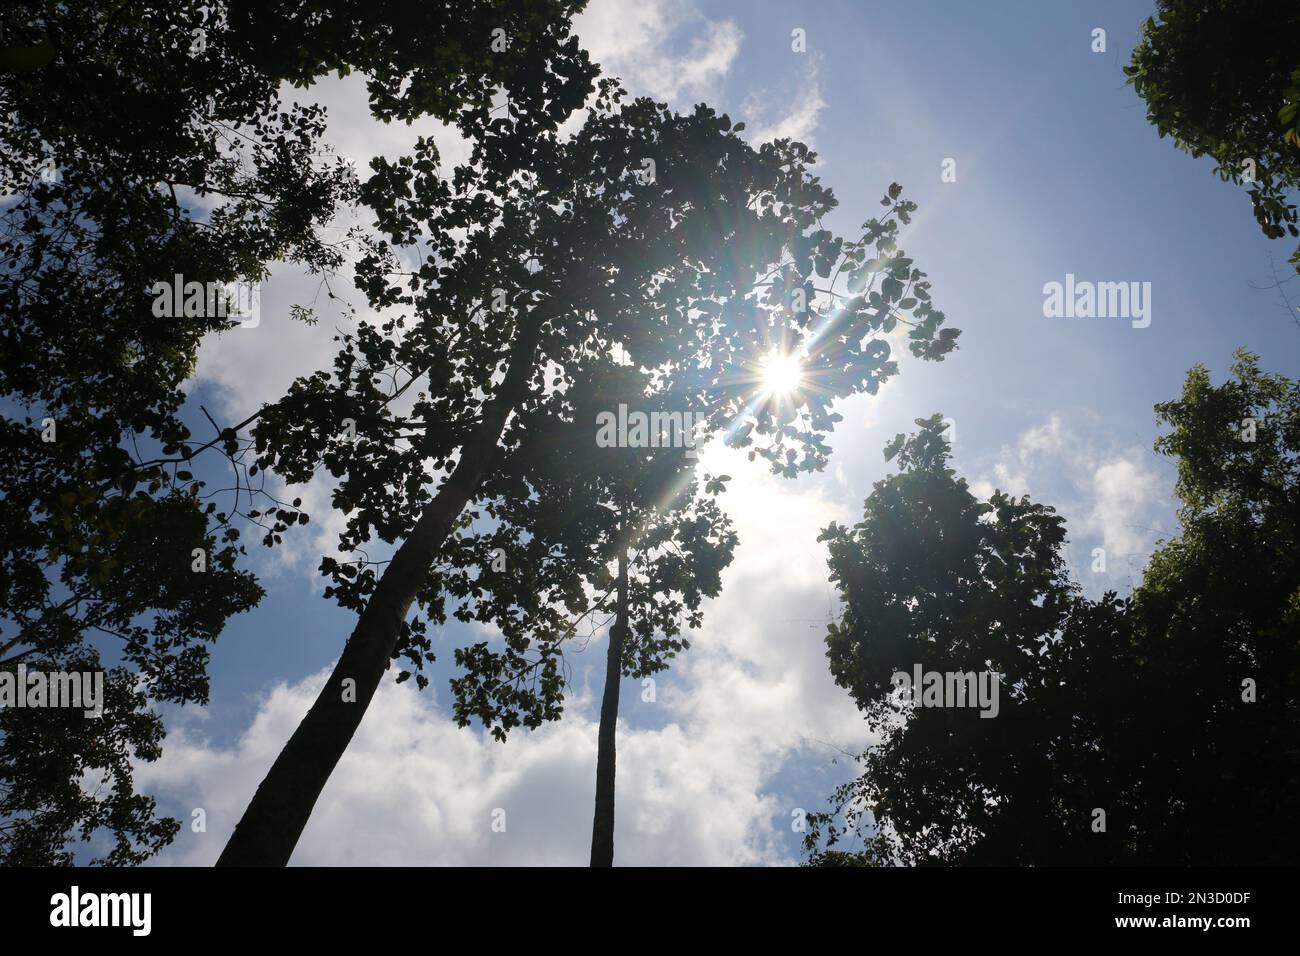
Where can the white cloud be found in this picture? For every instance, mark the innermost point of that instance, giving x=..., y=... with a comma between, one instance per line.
x=1111, y=496
x=793, y=115
x=1045, y=439
x=249, y=367
x=664, y=48
x=1123, y=492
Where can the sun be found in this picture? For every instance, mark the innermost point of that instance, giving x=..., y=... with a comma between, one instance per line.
x=782, y=373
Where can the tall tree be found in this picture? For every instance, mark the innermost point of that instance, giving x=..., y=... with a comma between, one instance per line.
x=664, y=236
x=678, y=559
x=624, y=464
x=630, y=501
x=1222, y=77
x=147, y=140
x=1150, y=730
x=602, y=824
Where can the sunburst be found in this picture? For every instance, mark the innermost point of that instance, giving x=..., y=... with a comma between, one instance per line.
x=781, y=374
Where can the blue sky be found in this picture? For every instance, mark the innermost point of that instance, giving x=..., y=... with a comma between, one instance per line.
x=1057, y=172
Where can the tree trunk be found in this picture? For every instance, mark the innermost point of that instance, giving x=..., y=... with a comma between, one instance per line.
x=274, y=820
x=602, y=828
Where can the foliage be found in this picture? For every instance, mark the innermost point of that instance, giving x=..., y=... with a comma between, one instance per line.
x=555, y=562
x=1136, y=706
x=1222, y=77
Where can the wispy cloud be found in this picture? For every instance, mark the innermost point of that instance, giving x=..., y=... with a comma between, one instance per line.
x=791, y=113
x=1112, y=496
x=665, y=48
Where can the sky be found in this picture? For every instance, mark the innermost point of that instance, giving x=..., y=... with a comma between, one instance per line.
x=1057, y=173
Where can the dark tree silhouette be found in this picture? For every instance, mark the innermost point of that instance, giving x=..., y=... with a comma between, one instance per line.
x=1222, y=77
x=1173, y=712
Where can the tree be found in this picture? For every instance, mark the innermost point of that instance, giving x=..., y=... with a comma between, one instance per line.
x=1222, y=77
x=1136, y=708
x=636, y=503
x=664, y=236
x=1219, y=611
x=638, y=506
x=932, y=576
x=679, y=556
x=125, y=123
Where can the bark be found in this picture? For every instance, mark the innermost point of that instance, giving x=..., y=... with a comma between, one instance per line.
x=274, y=820
x=602, y=828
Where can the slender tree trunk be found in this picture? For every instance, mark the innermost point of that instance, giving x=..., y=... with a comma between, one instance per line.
x=274, y=820
x=602, y=828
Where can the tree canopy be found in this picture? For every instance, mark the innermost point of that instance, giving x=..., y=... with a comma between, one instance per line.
x=1171, y=711
x=1222, y=77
